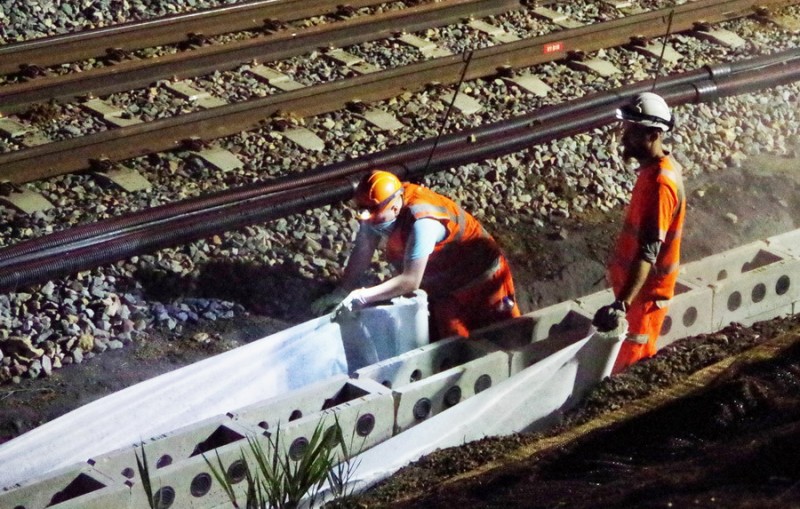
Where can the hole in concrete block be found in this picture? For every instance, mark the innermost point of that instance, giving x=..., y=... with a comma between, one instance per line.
x=759, y=292
x=237, y=471
x=348, y=392
x=164, y=497
x=79, y=486
x=263, y=425
x=416, y=376
x=365, y=425
x=690, y=316
x=734, y=301
x=201, y=484
x=296, y=414
x=452, y=396
x=482, y=383
x=422, y=409
x=164, y=461
x=446, y=364
x=782, y=285
x=128, y=472
x=387, y=384
x=221, y=436
x=572, y=326
x=760, y=259
x=298, y=448
x=666, y=326
x=723, y=274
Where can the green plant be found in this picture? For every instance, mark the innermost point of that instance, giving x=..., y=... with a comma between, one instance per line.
x=276, y=480
x=144, y=475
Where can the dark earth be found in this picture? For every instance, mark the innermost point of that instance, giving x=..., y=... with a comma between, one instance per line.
x=710, y=421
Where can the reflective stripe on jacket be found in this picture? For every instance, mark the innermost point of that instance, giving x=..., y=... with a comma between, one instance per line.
x=466, y=255
x=655, y=213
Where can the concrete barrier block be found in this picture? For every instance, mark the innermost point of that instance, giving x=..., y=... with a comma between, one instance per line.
x=589, y=304
x=364, y=409
x=293, y=405
x=424, y=362
x=689, y=313
x=174, y=447
x=435, y=394
x=564, y=318
x=72, y=487
x=788, y=242
x=729, y=264
x=536, y=335
x=759, y=294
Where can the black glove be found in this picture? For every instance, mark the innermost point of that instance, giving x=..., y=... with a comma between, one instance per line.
x=607, y=317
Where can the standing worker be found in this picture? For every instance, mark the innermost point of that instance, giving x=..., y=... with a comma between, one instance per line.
x=644, y=265
x=435, y=245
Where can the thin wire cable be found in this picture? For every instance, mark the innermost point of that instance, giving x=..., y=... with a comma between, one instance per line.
x=467, y=57
x=663, y=49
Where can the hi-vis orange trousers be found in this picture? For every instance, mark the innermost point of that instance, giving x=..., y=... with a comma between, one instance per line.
x=645, y=319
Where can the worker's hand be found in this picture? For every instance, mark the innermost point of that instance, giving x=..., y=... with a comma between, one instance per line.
x=607, y=318
x=328, y=302
x=353, y=302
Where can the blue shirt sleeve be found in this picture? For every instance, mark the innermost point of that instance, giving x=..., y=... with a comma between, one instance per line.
x=426, y=233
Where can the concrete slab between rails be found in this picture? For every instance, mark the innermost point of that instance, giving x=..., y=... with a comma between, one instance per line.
x=465, y=104
x=596, y=65
x=304, y=138
x=531, y=84
x=275, y=78
x=26, y=201
x=556, y=17
x=721, y=36
x=220, y=158
x=656, y=49
x=383, y=120
x=125, y=178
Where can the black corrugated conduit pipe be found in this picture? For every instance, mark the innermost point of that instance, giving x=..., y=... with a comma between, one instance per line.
x=118, y=238
x=169, y=232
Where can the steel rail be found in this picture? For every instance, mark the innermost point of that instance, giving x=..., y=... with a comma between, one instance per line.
x=87, y=246
x=75, y=154
x=205, y=60
x=135, y=35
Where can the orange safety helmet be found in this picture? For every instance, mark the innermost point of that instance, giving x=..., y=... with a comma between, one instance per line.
x=376, y=190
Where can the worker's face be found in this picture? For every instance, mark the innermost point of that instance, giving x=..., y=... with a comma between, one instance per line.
x=638, y=142
x=384, y=215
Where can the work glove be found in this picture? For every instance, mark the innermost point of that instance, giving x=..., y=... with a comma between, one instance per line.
x=351, y=303
x=607, y=318
x=328, y=302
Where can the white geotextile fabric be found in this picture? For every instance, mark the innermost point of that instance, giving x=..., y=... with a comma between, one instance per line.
x=532, y=399
x=271, y=366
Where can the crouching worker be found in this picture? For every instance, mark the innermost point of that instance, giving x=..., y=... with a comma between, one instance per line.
x=434, y=245
x=644, y=266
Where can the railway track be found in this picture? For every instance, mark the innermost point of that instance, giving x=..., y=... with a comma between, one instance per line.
x=265, y=153
x=132, y=138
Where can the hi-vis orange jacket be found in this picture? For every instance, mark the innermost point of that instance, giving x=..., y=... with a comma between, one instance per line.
x=656, y=212
x=466, y=253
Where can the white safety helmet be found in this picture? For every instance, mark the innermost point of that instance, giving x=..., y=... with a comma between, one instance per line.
x=647, y=109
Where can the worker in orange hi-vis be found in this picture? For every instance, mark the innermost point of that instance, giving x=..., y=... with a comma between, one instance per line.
x=434, y=245
x=644, y=264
